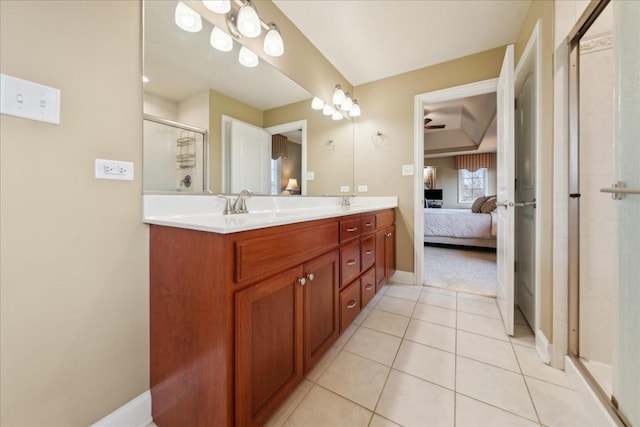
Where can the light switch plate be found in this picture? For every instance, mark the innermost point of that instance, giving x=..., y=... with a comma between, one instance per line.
x=407, y=170
x=363, y=188
x=344, y=189
x=311, y=175
x=22, y=98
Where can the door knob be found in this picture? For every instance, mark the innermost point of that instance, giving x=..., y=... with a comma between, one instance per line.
x=302, y=281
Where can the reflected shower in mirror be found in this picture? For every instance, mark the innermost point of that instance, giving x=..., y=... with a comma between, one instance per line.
x=241, y=109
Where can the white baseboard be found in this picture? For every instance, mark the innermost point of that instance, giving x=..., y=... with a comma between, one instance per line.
x=599, y=414
x=543, y=347
x=136, y=413
x=404, y=278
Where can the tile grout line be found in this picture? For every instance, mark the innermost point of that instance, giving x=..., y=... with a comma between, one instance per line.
x=455, y=370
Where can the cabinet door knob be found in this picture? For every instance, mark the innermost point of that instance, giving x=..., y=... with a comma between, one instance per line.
x=302, y=281
x=352, y=304
x=351, y=262
x=368, y=252
x=352, y=229
x=388, y=234
x=369, y=286
x=310, y=276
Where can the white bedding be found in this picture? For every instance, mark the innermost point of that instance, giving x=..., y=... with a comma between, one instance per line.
x=459, y=223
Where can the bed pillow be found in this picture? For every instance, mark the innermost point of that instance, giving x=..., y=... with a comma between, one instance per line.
x=477, y=204
x=489, y=205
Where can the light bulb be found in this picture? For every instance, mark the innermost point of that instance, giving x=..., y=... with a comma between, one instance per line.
x=247, y=58
x=317, y=103
x=355, y=110
x=218, y=6
x=187, y=18
x=338, y=95
x=221, y=40
x=248, y=20
x=337, y=115
x=347, y=103
x=273, y=44
x=328, y=110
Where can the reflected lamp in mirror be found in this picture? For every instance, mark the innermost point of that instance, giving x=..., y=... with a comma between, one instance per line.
x=292, y=186
x=187, y=18
x=218, y=6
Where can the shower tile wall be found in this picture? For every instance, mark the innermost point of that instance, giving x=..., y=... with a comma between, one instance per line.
x=598, y=241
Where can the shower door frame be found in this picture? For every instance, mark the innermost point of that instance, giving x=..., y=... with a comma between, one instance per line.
x=590, y=15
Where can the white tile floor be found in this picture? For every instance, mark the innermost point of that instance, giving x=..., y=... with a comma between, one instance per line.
x=430, y=357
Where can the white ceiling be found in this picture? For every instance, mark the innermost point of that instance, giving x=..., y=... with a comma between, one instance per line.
x=368, y=40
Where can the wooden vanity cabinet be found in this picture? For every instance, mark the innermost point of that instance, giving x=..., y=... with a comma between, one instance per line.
x=238, y=319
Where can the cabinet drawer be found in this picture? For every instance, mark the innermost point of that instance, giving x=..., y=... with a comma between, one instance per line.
x=368, y=251
x=349, y=304
x=368, y=286
x=274, y=252
x=349, y=262
x=349, y=229
x=368, y=224
x=385, y=219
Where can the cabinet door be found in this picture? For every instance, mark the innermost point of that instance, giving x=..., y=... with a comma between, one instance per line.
x=268, y=343
x=321, y=315
x=381, y=265
x=367, y=287
x=390, y=252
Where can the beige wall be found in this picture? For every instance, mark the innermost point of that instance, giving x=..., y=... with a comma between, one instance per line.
x=388, y=108
x=544, y=10
x=332, y=168
x=74, y=280
x=447, y=180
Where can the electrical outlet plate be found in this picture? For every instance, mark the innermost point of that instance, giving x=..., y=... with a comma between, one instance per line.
x=344, y=189
x=362, y=188
x=113, y=169
x=311, y=175
x=22, y=98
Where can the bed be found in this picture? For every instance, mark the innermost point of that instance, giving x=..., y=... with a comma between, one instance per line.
x=460, y=227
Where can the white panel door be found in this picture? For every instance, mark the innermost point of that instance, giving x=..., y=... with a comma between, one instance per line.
x=506, y=190
x=249, y=159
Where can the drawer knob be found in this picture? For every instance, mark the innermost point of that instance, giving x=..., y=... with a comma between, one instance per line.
x=352, y=229
x=351, y=262
x=310, y=276
x=302, y=281
x=368, y=252
x=369, y=224
x=369, y=286
x=352, y=304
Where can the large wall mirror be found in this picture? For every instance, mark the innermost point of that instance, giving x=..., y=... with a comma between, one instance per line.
x=214, y=124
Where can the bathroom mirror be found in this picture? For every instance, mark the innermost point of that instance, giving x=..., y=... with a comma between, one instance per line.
x=193, y=87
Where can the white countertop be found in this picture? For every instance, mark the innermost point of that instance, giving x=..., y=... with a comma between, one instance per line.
x=204, y=212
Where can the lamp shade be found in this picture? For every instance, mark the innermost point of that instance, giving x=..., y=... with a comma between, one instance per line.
x=317, y=103
x=273, y=44
x=355, y=110
x=328, y=110
x=337, y=116
x=338, y=95
x=248, y=20
x=292, y=185
x=221, y=40
x=347, y=104
x=247, y=58
x=187, y=18
x=218, y=6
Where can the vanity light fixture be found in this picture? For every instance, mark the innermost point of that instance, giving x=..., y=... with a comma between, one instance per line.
x=218, y=6
x=317, y=103
x=338, y=96
x=247, y=58
x=328, y=110
x=248, y=23
x=221, y=40
x=187, y=18
x=337, y=115
x=347, y=104
x=355, y=110
x=273, y=44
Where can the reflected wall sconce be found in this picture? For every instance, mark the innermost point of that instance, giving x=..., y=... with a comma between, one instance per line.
x=341, y=101
x=243, y=22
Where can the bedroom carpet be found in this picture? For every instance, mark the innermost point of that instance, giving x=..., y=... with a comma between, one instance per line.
x=462, y=270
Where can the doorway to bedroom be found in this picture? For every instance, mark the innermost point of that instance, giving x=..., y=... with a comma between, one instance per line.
x=460, y=194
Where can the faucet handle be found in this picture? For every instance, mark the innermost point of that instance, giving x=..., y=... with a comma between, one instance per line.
x=227, y=207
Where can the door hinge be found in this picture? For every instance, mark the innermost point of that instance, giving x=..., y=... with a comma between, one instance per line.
x=515, y=266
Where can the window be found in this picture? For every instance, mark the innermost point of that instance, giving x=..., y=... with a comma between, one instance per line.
x=275, y=176
x=471, y=185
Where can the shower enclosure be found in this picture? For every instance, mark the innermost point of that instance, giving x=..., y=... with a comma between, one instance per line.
x=174, y=156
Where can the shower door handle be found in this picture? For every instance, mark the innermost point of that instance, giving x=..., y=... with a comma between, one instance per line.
x=618, y=190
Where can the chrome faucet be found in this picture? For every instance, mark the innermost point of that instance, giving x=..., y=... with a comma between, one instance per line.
x=346, y=200
x=239, y=205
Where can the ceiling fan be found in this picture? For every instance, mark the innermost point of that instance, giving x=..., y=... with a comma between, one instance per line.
x=428, y=126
